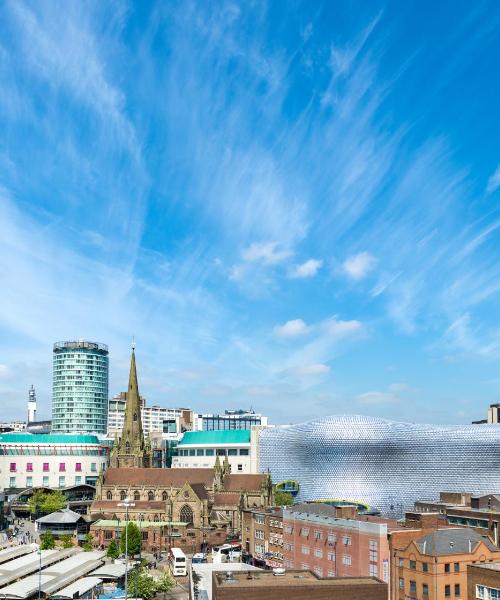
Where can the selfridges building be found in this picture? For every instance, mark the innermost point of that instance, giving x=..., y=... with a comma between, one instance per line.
x=384, y=464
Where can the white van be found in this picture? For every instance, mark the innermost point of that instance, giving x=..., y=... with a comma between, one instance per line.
x=177, y=562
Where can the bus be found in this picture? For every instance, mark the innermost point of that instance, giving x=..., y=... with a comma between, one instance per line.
x=226, y=552
x=177, y=562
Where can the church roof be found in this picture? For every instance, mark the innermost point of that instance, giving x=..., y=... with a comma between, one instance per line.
x=129, y=477
x=235, y=482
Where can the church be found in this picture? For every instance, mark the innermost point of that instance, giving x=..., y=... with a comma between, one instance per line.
x=187, y=508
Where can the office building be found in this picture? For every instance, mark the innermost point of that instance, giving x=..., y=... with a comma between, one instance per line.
x=200, y=449
x=80, y=387
x=50, y=461
x=262, y=536
x=492, y=416
x=384, y=464
x=233, y=419
x=483, y=581
x=435, y=565
x=31, y=405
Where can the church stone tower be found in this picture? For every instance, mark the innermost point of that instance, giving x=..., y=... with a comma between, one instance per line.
x=131, y=450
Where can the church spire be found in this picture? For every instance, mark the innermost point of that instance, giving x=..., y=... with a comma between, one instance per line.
x=131, y=450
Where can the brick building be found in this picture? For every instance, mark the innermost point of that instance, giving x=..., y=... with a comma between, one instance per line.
x=336, y=541
x=262, y=535
x=483, y=581
x=429, y=565
x=294, y=585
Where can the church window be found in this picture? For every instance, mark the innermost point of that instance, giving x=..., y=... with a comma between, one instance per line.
x=164, y=496
x=186, y=494
x=123, y=495
x=137, y=496
x=127, y=447
x=151, y=496
x=109, y=496
x=156, y=519
x=186, y=515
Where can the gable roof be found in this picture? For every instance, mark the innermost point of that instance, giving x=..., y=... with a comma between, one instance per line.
x=65, y=515
x=451, y=541
x=157, y=477
x=239, y=482
x=224, y=436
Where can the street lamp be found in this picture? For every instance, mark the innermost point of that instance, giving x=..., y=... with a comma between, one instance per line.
x=140, y=554
x=127, y=504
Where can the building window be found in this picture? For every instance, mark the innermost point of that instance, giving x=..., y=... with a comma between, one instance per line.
x=304, y=532
x=332, y=538
x=373, y=570
x=346, y=540
x=401, y=562
x=425, y=567
x=123, y=495
x=331, y=556
x=200, y=452
x=447, y=591
x=413, y=587
x=346, y=559
x=318, y=571
x=240, y=467
x=109, y=496
x=209, y=452
x=305, y=549
x=93, y=467
x=13, y=468
x=318, y=553
x=45, y=467
x=164, y=496
x=78, y=467
x=12, y=482
x=317, y=535
x=45, y=481
x=373, y=551
x=221, y=452
x=78, y=479
x=447, y=567
x=186, y=515
x=425, y=590
x=457, y=589
x=259, y=534
x=232, y=452
x=259, y=519
x=151, y=497
x=62, y=467
x=29, y=482
x=244, y=452
x=62, y=481
x=413, y=565
x=29, y=467
x=456, y=567
x=108, y=534
x=137, y=496
x=401, y=583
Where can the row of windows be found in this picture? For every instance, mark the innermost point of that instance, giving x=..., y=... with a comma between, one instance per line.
x=425, y=566
x=137, y=496
x=215, y=452
x=318, y=535
x=425, y=588
x=52, y=451
x=46, y=481
x=487, y=593
x=62, y=467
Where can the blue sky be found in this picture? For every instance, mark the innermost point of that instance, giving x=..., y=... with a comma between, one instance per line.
x=294, y=208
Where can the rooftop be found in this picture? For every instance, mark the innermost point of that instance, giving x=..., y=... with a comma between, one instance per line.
x=289, y=579
x=225, y=436
x=450, y=541
x=493, y=566
x=47, y=438
x=65, y=515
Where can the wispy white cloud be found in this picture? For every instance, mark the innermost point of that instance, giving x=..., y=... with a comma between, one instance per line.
x=313, y=370
x=293, y=328
x=493, y=182
x=339, y=328
x=359, y=265
x=376, y=398
x=266, y=253
x=307, y=269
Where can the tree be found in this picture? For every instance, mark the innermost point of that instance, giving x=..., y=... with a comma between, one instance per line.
x=165, y=583
x=142, y=584
x=283, y=498
x=87, y=545
x=47, y=541
x=42, y=502
x=133, y=539
x=67, y=541
x=113, y=551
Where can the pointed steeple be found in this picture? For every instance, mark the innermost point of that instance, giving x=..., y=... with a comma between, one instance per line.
x=131, y=450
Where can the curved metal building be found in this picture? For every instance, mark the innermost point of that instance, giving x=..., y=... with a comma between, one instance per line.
x=385, y=464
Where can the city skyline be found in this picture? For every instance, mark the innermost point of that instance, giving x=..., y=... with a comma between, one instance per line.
x=297, y=212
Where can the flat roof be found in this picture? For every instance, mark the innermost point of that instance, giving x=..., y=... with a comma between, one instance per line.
x=29, y=563
x=79, y=587
x=205, y=570
x=13, y=552
x=111, y=571
x=289, y=579
x=493, y=566
x=47, y=438
x=207, y=438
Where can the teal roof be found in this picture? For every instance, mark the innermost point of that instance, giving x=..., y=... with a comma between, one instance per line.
x=47, y=438
x=233, y=436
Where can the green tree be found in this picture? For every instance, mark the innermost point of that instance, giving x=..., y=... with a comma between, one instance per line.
x=113, y=551
x=67, y=541
x=47, y=541
x=46, y=502
x=133, y=539
x=283, y=498
x=165, y=583
x=87, y=545
x=142, y=584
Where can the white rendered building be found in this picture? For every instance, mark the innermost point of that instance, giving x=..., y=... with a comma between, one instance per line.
x=50, y=460
x=200, y=449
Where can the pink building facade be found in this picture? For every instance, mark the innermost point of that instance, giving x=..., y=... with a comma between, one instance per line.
x=315, y=538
